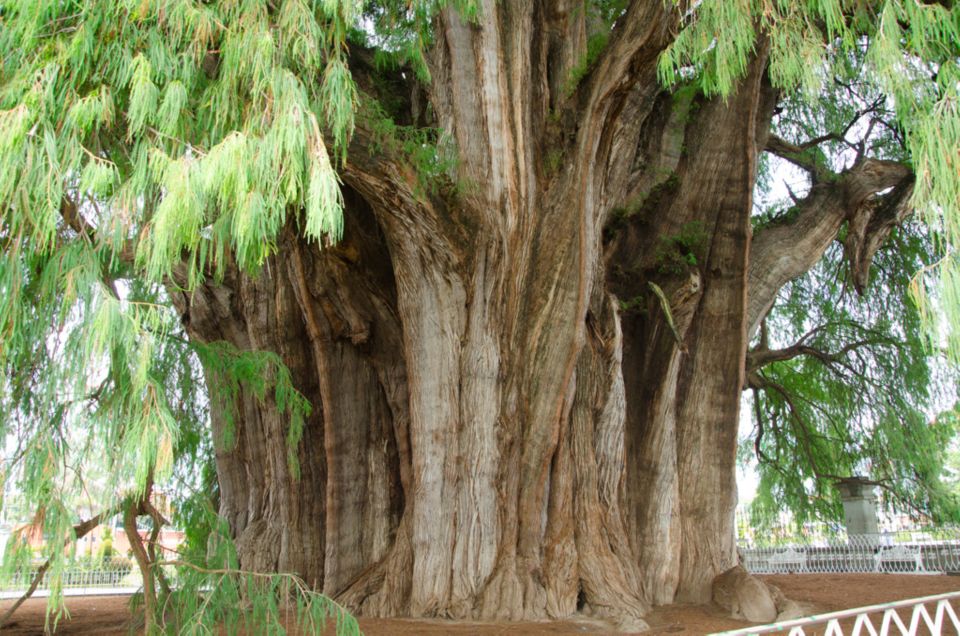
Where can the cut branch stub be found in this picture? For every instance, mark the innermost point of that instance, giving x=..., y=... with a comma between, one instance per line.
x=870, y=226
x=788, y=248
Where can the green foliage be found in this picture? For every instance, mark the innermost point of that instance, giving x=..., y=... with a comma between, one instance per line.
x=101, y=395
x=633, y=304
x=908, y=51
x=214, y=595
x=595, y=46
x=105, y=551
x=869, y=406
x=229, y=370
x=609, y=11
x=402, y=30
x=553, y=160
x=860, y=402
x=430, y=153
x=675, y=253
x=195, y=126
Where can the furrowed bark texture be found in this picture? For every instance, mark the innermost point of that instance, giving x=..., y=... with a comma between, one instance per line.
x=525, y=387
x=687, y=235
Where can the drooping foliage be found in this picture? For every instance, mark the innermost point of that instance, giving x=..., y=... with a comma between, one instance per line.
x=143, y=144
x=146, y=144
x=859, y=380
x=904, y=50
x=856, y=393
x=197, y=125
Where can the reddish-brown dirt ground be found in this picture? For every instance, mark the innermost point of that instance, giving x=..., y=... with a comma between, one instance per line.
x=109, y=616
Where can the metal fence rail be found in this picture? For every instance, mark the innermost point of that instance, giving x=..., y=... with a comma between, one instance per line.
x=71, y=578
x=860, y=553
x=876, y=620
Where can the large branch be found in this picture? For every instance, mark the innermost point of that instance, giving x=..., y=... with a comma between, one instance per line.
x=388, y=182
x=788, y=249
x=638, y=38
x=800, y=155
x=807, y=156
x=801, y=430
x=867, y=232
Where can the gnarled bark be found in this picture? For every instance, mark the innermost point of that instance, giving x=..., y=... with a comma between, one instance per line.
x=525, y=388
x=791, y=247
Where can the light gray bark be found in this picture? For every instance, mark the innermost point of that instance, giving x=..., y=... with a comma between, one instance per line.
x=525, y=387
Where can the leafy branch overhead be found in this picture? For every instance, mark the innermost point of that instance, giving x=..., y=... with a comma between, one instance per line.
x=832, y=376
x=842, y=385
x=188, y=123
x=365, y=241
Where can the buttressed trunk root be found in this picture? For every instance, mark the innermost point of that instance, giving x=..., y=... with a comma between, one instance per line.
x=525, y=387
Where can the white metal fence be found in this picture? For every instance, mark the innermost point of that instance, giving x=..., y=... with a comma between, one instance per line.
x=75, y=580
x=917, y=553
x=931, y=615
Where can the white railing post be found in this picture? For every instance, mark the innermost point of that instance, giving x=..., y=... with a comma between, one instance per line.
x=926, y=552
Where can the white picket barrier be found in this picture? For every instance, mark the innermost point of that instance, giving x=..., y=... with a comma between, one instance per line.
x=875, y=620
x=919, y=554
x=74, y=580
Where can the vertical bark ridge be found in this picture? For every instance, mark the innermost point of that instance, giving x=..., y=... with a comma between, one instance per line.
x=432, y=306
x=678, y=258
x=495, y=434
x=565, y=28
x=652, y=492
x=608, y=568
x=483, y=97
x=708, y=418
x=272, y=516
x=432, y=300
x=360, y=451
x=332, y=319
x=476, y=543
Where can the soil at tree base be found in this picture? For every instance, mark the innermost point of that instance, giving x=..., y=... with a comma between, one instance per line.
x=109, y=615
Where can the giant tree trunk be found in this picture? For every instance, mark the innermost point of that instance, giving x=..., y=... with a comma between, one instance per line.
x=525, y=388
